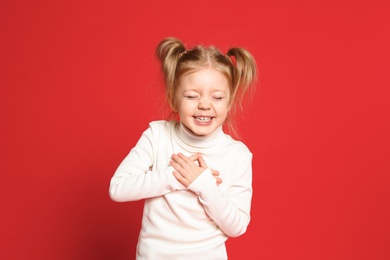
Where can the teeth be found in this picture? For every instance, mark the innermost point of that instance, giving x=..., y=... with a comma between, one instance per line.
x=203, y=119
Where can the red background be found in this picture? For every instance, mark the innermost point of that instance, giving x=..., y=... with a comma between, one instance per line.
x=79, y=84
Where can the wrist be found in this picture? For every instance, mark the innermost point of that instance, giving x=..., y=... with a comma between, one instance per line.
x=202, y=182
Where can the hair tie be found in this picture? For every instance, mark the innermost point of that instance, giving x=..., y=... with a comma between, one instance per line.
x=181, y=53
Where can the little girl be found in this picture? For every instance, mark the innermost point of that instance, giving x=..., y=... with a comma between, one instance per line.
x=196, y=180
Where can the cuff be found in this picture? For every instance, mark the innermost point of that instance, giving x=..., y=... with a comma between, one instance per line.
x=175, y=184
x=203, y=183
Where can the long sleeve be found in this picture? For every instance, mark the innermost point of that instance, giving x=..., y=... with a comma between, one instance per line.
x=231, y=210
x=134, y=179
x=180, y=222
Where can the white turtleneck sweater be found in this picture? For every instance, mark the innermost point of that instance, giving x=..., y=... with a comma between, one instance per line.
x=179, y=222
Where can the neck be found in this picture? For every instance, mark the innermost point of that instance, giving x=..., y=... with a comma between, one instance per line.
x=198, y=141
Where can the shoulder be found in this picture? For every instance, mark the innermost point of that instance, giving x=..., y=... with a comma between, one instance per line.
x=162, y=127
x=237, y=147
x=162, y=124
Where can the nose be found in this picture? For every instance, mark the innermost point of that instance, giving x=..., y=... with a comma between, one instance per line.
x=204, y=103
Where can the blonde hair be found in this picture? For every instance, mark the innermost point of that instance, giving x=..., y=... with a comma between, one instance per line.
x=176, y=61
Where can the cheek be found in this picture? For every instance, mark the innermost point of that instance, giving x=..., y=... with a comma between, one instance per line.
x=223, y=108
x=184, y=107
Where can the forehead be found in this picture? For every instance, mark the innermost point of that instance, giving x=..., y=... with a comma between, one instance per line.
x=206, y=79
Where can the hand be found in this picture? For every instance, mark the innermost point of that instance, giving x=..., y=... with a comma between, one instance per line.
x=187, y=170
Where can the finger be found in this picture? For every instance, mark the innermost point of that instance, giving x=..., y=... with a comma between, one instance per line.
x=214, y=172
x=184, y=158
x=187, y=163
x=176, y=166
x=180, y=178
x=219, y=180
x=202, y=162
x=194, y=157
x=182, y=169
x=178, y=160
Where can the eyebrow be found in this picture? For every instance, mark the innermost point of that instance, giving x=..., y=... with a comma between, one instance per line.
x=196, y=90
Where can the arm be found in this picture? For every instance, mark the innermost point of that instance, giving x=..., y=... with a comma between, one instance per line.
x=230, y=210
x=133, y=180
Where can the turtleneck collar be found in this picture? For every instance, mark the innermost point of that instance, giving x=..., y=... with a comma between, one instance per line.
x=200, y=142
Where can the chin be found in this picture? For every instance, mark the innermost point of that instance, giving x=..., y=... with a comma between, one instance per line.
x=199, y=129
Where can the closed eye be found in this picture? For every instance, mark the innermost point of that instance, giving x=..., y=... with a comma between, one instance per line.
x=191, y=97
x=218, y=98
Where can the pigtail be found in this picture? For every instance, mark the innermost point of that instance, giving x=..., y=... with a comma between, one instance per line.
x=168, y=51
x=245, y=77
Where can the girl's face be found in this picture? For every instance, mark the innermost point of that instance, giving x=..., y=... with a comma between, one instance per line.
x=202, y=101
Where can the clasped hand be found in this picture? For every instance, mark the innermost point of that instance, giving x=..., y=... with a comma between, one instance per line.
x=187, y=170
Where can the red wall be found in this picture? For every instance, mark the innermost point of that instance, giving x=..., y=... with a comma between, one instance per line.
x=79, y=84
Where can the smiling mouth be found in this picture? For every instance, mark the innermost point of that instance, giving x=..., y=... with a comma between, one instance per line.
x=203, y=118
